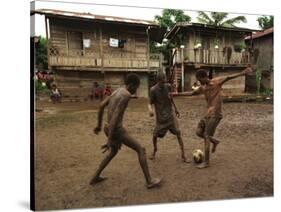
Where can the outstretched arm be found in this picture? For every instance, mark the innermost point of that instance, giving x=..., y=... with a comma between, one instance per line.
x=191, y=93
x=233, y=76
x=103, y=104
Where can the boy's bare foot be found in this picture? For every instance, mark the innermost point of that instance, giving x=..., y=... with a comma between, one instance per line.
x=185, y=160
x=97, y=180
x=152, y=157
x=154, y=183
x=215, y=146
x=202, y=165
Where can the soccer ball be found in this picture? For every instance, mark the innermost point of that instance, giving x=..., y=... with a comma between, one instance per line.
x=198, y=156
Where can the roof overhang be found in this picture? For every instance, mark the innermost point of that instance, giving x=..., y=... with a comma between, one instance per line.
x=205, y=27
x=260, y=34
x=93, y=17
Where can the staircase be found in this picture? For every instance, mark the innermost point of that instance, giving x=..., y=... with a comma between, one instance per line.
x=175, y=74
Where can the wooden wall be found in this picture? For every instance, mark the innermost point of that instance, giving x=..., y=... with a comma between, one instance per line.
x=78, y=84
x=265, y=47
x=66, y=48
x=207, y=54
x=104, y=64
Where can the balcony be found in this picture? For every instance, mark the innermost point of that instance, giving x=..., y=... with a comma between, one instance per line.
x=89, y=59
x=212, y=57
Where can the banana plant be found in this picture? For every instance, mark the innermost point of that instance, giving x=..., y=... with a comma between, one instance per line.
x=258, y=81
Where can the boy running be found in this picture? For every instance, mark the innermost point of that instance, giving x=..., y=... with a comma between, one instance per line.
x=116, y=133
x=165, y=115
x=211, y=88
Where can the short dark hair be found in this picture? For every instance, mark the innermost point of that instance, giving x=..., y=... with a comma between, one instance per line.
x=132, y=79
x=201, y=73
x=160, y=75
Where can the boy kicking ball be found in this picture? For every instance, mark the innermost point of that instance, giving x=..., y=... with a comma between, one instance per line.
x=166, y=119
x=211, y=88
x=116, y=133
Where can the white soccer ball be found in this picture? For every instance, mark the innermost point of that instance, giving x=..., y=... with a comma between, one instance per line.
x=198, y=156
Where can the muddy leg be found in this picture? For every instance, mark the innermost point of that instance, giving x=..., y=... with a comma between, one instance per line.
x=215, y=143
x=182, y=148
x=133, y=144
x=154, y=139
x=200, y=132
x=205, y=163
x=104, y=163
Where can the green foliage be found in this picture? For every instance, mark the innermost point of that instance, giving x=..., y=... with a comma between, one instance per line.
x=41, y=53
x=268, y=92
x=170, y=17
x=243, y=45
x=265, y=22
x=218, y=19
x=258, y=80
x=41, y=87
x=165, y=49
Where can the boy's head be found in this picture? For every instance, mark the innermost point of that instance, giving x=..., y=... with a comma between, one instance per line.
x=202, y=76
x=161, y=78
x=132, y=83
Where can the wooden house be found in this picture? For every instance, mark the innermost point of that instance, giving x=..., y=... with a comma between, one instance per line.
x=261, y=44
x=220, y=50
x=84, y=48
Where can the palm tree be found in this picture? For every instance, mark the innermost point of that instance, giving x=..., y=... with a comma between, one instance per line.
x=170, y=17
x=265, y=22
x=218, y=19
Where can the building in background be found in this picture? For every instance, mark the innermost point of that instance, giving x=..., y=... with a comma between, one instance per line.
x=221, y=50
x=262, y=51
x=84, y=48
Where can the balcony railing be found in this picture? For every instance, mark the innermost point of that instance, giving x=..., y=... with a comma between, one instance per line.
x=91, y=59
x=207, y=56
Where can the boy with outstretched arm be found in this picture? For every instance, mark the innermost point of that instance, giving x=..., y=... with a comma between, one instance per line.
x=211, y=88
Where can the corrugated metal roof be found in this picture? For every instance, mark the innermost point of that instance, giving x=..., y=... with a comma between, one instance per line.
x=93, y=17
x=260, y=34
x=180, y=25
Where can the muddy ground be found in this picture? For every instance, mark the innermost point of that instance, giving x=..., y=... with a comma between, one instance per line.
x=68, y=153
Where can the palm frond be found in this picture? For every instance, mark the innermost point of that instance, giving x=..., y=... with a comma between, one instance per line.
x=204, y=18
x=218, y=17
x=233, y=21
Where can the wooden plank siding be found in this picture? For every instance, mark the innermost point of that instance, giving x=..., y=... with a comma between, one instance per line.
x=208, y=54
x=66, y=46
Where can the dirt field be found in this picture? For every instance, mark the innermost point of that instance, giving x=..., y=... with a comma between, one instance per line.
x=68, y=153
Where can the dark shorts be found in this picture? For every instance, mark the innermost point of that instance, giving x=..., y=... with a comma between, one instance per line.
x=207, y=126
x=161, y=129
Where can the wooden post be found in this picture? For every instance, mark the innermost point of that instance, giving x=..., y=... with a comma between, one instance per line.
x=182, y=71
x=101, y=47
x=47, y=38
x=66, y=40
x=223, y=46
x=83, y=48
x=46, y=26
x=148, y=49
